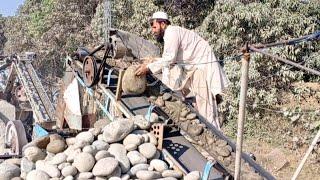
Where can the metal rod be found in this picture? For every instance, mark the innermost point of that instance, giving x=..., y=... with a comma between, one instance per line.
x=286, y=61
x=10, y=156
x=242, y=111
x=283, y=42
x=97, y=49
x=303, y=161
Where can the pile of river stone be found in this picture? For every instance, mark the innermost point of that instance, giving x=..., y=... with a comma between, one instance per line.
x=123, y=149
x=201, y=136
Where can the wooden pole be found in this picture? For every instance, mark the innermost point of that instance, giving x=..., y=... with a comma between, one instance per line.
x=298, y=170
x=242, y=112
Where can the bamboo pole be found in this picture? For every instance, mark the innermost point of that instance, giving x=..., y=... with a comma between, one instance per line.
x=303, y=161
x=242, y=111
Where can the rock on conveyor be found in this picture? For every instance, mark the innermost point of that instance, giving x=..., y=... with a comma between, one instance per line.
x=123, y=149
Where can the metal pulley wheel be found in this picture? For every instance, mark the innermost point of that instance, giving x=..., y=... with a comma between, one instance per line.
x=15, y=137
x=20, y=93
x=90, y=71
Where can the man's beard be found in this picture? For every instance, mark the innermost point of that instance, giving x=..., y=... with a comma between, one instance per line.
x=159, y=37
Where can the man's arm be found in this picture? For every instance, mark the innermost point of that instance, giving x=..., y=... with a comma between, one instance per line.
x=170, y=50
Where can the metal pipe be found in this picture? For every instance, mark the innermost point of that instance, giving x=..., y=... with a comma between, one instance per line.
x=283, y=42
x=242, y=111
x=285, y=61
x=303, y=161
x=10, y=156
x=97, y=49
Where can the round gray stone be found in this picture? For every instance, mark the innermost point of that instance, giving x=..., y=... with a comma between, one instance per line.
x=69, y=171
x=70, y=141
x=166, y=96
x=120, y=154
x=125, y=177
x=58, y=159
x=37, y=175
x=133, y=171
x=27, y=165
x=132, y=139
x=63, y=165
x=223, y=151
x=90, y=149
x=80, y=144
x=100, y=145
x=184, y=113
x=154, y=118
x=171, y=173
x=131, y=147
x=148, y=150
x=34, y=153
x=191, y=116
x=136, y=158
x=68, y=178
x=114, y=178
x=84, y=162
x=167, y=178
x=117, y=130
x=141, y=122
x=85, y=175
x=95, y=131
x=102, y=154
x=132, y=84
x=146, y=175
x=56, y=146
x=51, y=170
x=8, y=171
x=159, y=102
x=74, y=153
x=145, y=138
x=139, y=132
x=115, y=173
x=105, y=166
x=153, y=139
x=159, y=165
x=85, y=136
x=14, y=161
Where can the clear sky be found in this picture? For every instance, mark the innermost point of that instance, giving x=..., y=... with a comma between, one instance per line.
x=9, y=7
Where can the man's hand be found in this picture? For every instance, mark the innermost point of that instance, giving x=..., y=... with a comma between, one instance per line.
x=142, y=70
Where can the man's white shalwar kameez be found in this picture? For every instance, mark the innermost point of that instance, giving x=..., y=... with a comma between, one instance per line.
x=189, y=63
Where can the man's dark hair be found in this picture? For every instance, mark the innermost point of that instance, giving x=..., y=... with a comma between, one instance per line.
x=167, y=22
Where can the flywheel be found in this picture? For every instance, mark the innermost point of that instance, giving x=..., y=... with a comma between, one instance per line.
x=15, y=137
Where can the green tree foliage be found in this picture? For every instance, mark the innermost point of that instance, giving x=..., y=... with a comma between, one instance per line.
x=230, y=25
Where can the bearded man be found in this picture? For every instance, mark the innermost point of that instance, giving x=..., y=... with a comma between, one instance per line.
x=187, y=64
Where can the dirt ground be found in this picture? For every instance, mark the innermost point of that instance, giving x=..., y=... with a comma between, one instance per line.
x=279, y=144
x=282, y=162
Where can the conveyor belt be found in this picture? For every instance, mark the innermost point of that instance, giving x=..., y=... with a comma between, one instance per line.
x=37, y=104
x=139, y=105
x=188, y=156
